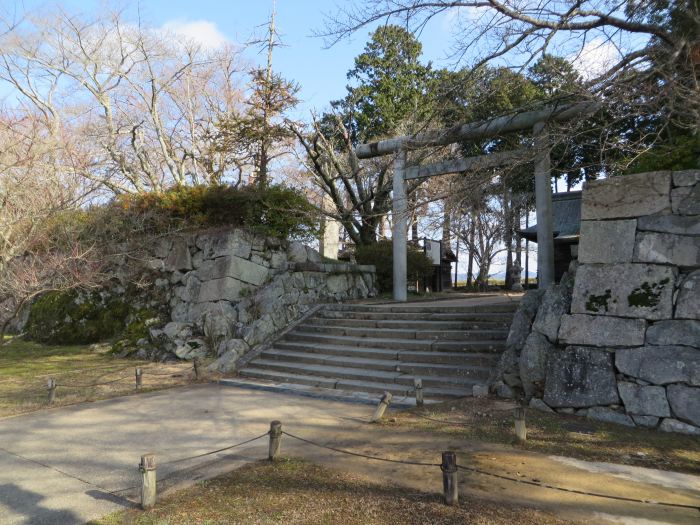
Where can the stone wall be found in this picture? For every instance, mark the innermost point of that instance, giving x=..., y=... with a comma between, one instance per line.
x=218, y=293
x=618, y=339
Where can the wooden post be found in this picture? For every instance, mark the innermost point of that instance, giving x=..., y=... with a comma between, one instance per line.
x=449, y=478
x=51, y=387
x=139, y=378
x=384, y=402
x=520, y=428
x=418, y=385
x=275, y=439
x=148, y=480
x=195, y=363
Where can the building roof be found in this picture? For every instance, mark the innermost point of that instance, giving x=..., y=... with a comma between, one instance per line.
x=566, y=211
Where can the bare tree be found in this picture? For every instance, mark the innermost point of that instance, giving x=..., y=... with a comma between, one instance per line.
x=146, y=103
x=34, y=189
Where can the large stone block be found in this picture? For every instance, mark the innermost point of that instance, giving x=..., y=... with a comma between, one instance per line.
x=678, y=224
x=665, y=248
x=686, y=177
x=235, y=267
x=685, y=403
x=337, y=283
x=225, y=289
x=627, y=196
x=644, y=400
x=179, y=257
x=219, y=244
x=676, y=332
x=607, y=415
x=297, y=252
x=555, y=303
x=660, y=365
x=686, y=200
x=673, y=425
x=602, y=331
x=607, y=241
x=522, y=320
x=533, y=361
x=688, y=301
x=580, y=377
x=624, y=290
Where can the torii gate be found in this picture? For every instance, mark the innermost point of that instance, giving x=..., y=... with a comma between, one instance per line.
x=535, y=120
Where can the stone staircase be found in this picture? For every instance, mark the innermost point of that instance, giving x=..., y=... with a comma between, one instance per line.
x=376, y=348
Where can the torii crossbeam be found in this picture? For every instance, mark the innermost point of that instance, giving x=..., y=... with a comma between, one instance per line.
x=535, y=120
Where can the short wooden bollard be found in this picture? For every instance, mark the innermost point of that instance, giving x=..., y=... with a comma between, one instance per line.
x=195, y=364
x=139, y=378
x=275, y=440
x=148, y=480
x=520, y=427
x=51, y=387
x=384, y=402
x=449, y=478
x=418, y=385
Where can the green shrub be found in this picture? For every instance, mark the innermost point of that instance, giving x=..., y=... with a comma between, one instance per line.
x=275, y=211
x=380, y=254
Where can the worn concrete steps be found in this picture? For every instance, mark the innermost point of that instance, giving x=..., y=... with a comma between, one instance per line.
x=376, y=348
x=503, y=317
x=411, y=324
x=475, y=358
x=291, y=350
x=417, y=368
x=402, y=333
x=351, y=385
x=488, y=345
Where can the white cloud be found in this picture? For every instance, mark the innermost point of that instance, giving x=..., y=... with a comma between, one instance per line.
x=596, y=57
x=202, y=32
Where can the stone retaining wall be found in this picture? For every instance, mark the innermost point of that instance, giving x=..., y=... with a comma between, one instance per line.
x=232, y=290
x=618, y=339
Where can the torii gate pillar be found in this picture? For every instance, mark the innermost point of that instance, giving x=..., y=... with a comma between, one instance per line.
x=543, y=203
x=400, y=227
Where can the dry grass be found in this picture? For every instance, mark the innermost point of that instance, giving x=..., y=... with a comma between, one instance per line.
x=489, y=421
x=25, y=368
x=296, y=492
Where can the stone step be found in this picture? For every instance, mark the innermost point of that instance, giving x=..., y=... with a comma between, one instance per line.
x=417, y=307
x=412, y=324
x=415, y=356
x=420, y=369
x=420, y=307
x=354, y=386
x=398, y=344
x=401, y=333
x=342, y=373
x=416, y=316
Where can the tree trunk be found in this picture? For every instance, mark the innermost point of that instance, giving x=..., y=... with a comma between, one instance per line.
x=470, y=264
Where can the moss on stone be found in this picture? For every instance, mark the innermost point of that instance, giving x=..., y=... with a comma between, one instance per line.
x=596, y=303
x=80, y=317
x=647, y=295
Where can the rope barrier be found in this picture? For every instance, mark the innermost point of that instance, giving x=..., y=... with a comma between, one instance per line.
x=359, y=454
x=576, y=491
x=181, y=460
x=499, y=476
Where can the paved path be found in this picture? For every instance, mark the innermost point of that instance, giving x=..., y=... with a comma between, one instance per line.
x=61, y=466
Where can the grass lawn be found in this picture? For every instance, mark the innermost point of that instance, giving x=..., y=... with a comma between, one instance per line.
x=25, y=368
x=572, y=436
x=297, y=492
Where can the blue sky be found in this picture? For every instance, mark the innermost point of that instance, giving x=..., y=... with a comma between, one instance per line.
x=320, y=72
